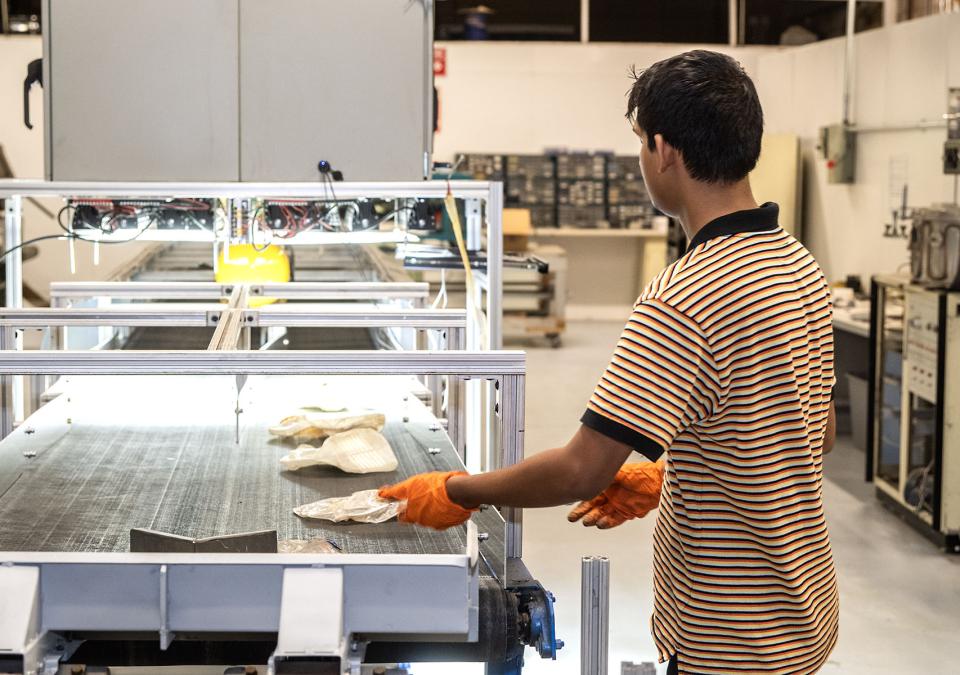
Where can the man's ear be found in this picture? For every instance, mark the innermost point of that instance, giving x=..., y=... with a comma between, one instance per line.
x=667, y=155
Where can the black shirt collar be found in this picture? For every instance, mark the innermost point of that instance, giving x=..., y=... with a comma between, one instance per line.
x=762, y=219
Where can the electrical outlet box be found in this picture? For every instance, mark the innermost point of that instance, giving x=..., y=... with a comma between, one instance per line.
x=953, y=114
x=951, y=157
x=951, y=149
x=838, y=145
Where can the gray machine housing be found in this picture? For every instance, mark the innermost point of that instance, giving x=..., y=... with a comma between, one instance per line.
x=237, y=90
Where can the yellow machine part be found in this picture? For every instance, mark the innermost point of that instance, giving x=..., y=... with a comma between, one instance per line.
x=246, y=264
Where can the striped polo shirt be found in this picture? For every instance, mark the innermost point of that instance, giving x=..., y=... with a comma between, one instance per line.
x=727, y=365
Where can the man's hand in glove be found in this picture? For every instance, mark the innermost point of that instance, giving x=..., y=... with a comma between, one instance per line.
x=427, y=501
x=634, y=492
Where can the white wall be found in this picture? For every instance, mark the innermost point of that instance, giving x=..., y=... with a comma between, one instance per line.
x=502, y=97
x=901, y=77
x=516, y=97
x=24, y=150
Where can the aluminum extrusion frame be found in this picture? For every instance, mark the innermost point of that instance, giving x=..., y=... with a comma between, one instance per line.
x=243, y=593
x=211, y=290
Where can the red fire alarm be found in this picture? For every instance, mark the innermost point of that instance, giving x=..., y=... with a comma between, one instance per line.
x=439, y=61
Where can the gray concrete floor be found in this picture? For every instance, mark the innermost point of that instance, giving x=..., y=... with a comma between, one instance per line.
x=900, y=596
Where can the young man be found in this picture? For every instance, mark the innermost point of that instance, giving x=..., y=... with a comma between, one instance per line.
x=726, y=367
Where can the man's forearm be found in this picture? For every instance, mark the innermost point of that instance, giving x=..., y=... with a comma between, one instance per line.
x=579, y=470
x=543, y=480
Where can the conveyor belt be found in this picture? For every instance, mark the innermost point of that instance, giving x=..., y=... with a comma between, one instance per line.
x=296, y=338
x=327, y=339
x=163, y=337
x=159, y=453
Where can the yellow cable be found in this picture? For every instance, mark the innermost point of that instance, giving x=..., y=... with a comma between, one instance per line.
x=450, y=204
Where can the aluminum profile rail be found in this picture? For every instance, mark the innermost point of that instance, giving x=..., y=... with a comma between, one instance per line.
x=342, y=290
x=396, y=236
x=132, y=316
x=301, y=315
x=511, y=406
x=594, y=615
x=452, y=323
x=462, y=363
x=287, y=316
x=209, y=290
x=436, y=189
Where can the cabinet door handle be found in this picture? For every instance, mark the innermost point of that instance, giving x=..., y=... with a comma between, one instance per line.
x=34, y=76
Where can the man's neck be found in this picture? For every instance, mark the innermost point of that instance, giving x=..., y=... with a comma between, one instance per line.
x=712, y=202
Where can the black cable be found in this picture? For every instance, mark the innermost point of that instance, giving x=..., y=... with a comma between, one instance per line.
x=60, y=220
x=327, y=183
x=32, y=241
x=69, y=236
x=328, y=179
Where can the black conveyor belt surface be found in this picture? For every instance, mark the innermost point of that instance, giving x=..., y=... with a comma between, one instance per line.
x=297, y=338
x=327, y=338
x=166, y=337
x=99, y=475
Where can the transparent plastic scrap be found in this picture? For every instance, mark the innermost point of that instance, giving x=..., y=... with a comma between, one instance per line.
x=362, y=507
x=316, y=426
x=354, y=451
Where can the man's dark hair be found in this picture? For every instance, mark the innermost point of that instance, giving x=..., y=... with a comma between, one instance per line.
x=704, y=105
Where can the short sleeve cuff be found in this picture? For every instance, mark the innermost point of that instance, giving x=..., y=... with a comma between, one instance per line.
x=646, y=446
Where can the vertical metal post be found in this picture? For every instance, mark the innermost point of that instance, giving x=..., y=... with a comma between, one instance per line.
x=456, y=339
x=733, y=23
x=584, y=20
x=13, y=239
x=57, y=334
x=12, y=220
x=494, y=302
x=475, y=402
x=45, y=33
x=38, y=385
x=511, y=405
x=428, y=85
x=848, y=62
x=7, y=411
x=434, y=382
x=474, y=224
x=890, y=12
x=594, y=615
x=421, y=342
x=456, y=412
x=495, y=266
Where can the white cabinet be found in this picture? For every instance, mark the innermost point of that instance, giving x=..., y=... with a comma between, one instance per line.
x=346, y=81
x=141, y=90
x=227, y=90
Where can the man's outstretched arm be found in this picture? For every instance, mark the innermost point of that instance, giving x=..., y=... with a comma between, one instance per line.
x=578, y=471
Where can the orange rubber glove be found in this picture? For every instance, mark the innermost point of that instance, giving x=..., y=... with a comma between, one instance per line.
x=634, y=492
x=427, y=502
